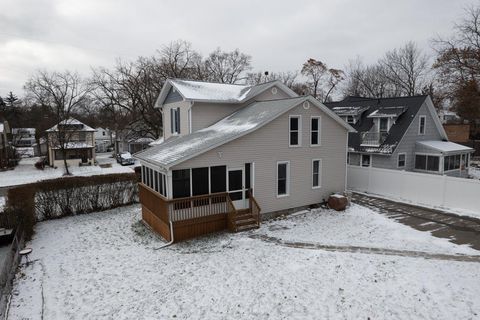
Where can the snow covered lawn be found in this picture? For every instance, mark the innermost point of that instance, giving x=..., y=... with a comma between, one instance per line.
x=26, y=172
x=106, y=266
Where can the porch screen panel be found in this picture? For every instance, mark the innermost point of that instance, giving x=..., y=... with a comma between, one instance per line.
x=218, y=179
x=156, y=180
x=247, y=178
x=199, y=181
x=160, y=184
x=181, y=183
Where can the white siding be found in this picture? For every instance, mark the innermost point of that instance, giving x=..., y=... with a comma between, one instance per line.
x=269, y=144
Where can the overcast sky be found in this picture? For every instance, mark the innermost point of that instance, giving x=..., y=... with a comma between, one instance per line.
x=280, y=35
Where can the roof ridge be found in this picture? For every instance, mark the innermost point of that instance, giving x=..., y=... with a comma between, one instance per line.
x=211, y=82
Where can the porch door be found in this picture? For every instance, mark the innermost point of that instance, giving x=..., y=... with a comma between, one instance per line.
x=236, y=187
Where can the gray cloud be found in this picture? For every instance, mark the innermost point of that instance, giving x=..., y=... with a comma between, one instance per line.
x=280, y=35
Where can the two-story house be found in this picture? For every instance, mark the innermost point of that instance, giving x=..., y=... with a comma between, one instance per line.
x=402, y=133
x=77, y=140
x=6, y=151
x=230, y=151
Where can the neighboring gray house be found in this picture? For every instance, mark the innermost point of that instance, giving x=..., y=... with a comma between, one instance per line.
x=230, y=150
x=402, y=133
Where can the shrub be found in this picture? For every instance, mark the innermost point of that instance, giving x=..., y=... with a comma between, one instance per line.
x=67, y=196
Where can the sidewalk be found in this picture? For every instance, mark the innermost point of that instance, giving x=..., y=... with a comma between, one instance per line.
x=458, y=229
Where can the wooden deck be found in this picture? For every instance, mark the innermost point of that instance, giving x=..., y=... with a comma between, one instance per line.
x=195, y=216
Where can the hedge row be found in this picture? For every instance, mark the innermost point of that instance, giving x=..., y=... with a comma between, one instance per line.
x=50, y=199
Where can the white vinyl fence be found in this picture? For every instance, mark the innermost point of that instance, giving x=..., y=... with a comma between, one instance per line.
x=417, y=188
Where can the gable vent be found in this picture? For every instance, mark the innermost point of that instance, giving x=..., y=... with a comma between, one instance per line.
x=306, y=105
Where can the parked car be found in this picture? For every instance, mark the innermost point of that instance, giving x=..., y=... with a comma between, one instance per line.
x=125, y=158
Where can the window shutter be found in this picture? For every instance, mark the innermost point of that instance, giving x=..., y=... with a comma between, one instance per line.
x=172, y=113
x=178, y=120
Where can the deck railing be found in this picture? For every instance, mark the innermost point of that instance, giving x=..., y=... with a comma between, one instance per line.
x=185, y=208
x=373, y=138
x=254, y=207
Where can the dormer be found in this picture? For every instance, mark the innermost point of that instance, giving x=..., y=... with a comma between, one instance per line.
x=188, y=106
x=384, y=118
x=351, y=114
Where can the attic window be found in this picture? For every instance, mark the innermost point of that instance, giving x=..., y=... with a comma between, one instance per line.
x=306, y=105
x=350, y=119
x=274, y=90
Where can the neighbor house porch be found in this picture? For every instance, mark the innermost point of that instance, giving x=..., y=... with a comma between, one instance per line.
x=187, y=203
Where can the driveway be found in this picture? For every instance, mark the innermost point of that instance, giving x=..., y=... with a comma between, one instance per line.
x=458, y=229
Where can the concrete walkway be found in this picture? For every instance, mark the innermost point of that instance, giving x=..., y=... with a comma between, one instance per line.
x=366, y=250
x=458, y=229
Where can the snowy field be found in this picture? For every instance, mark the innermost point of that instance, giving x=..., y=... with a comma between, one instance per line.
x=26, y=172
x=474, y=172
x=107, y=266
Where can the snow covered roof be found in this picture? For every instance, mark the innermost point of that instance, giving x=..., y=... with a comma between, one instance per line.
x=73, y=122
x=388, y=112
x=76, y=145
x=445, y=146
x=242, y=122
x=350, y=110
x=23, y=130
x=157, y=142
x=141, y=140
x=217, y=92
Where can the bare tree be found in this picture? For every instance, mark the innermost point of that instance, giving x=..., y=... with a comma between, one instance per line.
x=227, y=67
x=368, y=81
x=321, y=79
x=62, y=93
x=458, y=57
x=406, y=68
x=179, y=60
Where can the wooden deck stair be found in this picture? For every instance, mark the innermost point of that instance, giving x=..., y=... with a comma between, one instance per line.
x=245, y=220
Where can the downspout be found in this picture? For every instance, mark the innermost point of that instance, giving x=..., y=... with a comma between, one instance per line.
x=171, y=238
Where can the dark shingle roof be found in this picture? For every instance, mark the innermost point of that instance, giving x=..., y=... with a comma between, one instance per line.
x=409, y=105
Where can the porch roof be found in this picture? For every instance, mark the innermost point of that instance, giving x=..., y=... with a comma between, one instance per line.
x=242, y=122
x=75, y=145
x=445, y=146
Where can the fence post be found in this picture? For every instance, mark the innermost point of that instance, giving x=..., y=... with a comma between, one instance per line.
x=444, y=190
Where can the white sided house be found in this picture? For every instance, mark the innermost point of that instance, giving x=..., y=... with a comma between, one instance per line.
x=78, y=141
x=230, y=151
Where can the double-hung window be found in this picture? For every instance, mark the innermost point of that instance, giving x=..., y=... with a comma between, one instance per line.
x=402, y=159
x=316, y=173
x=283, y=178
x=175, y=120
x=421, y=125
x=315, y=128
x=295, y=128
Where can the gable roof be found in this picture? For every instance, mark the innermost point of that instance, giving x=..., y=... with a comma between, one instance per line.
x=72, y=121
x=240, y=123
x=404, y=108
x=217, y=92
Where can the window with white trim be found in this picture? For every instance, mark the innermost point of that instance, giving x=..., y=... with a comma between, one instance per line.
x=426, y=162
x=175, y=120
x=402, y=160
x=366, y=160
x=295, y=128
x=316, y=173
x=315, y=129
x=421, y=125
x=283, y=178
